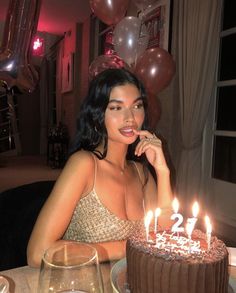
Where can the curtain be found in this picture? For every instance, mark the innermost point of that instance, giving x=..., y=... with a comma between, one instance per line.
x=196, y=26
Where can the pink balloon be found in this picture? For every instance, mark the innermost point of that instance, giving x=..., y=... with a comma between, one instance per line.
x=155, y=68
x=109, y=11
x=103, y=62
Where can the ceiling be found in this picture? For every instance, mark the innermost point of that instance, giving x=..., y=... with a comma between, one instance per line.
x=56, y=16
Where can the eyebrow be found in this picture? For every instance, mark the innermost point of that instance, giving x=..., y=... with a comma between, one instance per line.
x=121, y=102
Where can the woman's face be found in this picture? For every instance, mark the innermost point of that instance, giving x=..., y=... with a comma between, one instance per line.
x=124, y=113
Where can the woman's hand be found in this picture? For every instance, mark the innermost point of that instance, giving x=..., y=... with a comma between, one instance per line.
x=152, y=147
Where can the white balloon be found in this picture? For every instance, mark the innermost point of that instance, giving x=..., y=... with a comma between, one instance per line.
x=130, y=39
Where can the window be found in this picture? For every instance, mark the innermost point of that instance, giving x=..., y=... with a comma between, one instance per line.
x=219, y=172
x=224, y=146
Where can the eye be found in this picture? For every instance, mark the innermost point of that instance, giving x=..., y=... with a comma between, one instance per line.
x=115, y=108
x=138, y=105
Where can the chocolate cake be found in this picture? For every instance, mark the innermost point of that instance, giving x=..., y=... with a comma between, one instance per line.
x=170, y=263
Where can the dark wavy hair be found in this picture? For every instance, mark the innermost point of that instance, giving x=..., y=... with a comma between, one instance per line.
x=91, y=130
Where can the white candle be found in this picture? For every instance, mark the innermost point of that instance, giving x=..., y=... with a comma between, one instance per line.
x=192, y=221
x=147, y=221
x=189, y=227
x=189, y=230
x=176, y=227
x=208, y=231
x=156, y=215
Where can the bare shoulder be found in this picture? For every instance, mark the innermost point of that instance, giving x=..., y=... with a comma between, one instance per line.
x=78, y=173
x=79, y=165
x=81, y=159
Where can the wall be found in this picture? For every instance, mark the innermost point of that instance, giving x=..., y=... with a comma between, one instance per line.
x=76, y=42
x=65, y=100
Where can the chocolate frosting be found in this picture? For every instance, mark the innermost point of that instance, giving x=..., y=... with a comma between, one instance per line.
x=153, y=270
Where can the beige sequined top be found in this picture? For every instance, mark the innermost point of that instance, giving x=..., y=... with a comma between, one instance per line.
x=93, y=222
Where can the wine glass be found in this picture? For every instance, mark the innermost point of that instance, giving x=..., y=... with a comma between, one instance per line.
x=70, y=266
x=4, y=285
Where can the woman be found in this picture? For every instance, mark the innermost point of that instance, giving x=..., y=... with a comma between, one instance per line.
x=102, y=193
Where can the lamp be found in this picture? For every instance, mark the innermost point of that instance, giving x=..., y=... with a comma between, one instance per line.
x=38, y=46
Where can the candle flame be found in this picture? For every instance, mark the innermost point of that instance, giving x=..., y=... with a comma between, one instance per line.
x=148, y=218
x=207, y=220
x=157, y=212
x=175, y=205
x=195, y=209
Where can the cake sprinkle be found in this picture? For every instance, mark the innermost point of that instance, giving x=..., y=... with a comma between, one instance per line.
x=170, y=246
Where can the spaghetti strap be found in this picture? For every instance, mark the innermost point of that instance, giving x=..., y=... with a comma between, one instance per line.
x=140, y=178
x=139, y=175
x=95, y=171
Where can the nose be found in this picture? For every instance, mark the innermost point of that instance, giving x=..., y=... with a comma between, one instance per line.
x=129, y=115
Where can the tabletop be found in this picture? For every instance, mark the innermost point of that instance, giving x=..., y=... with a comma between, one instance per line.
x=25, y=279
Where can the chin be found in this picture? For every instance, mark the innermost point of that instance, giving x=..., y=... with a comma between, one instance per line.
x=130, y=140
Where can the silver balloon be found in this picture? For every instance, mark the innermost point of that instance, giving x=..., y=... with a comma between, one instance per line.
x=103, y=62
x=130, y=39
x=20, y=26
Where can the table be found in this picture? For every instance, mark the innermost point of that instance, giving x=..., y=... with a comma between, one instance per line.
x=25, y=279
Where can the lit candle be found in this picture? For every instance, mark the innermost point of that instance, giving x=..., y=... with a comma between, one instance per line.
x=156, y=215
x=195, y=209
x=208, y=231
x=176, y=227
x=192, y=221
x=189, y=228
x=147, y=221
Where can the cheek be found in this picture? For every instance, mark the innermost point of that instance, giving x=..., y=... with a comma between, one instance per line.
x=111, y=121
x=140, y=118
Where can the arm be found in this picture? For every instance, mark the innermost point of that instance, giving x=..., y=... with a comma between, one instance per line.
x=56, y=213
x=160, y=195
x=113, y=250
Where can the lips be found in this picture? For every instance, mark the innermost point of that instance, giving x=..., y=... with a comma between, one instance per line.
x=127, y=131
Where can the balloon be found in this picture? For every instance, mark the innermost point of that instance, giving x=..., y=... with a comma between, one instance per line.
x=142, y=4
x=155, y=68
x=103, y=62
x=20, y=26
x=130, y=38
x=154, y=110
x=109, y=11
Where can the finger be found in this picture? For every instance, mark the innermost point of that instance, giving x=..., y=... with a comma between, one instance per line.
x=146, y=143
x=156, y=148
x=140, y=145
x=143, y=134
